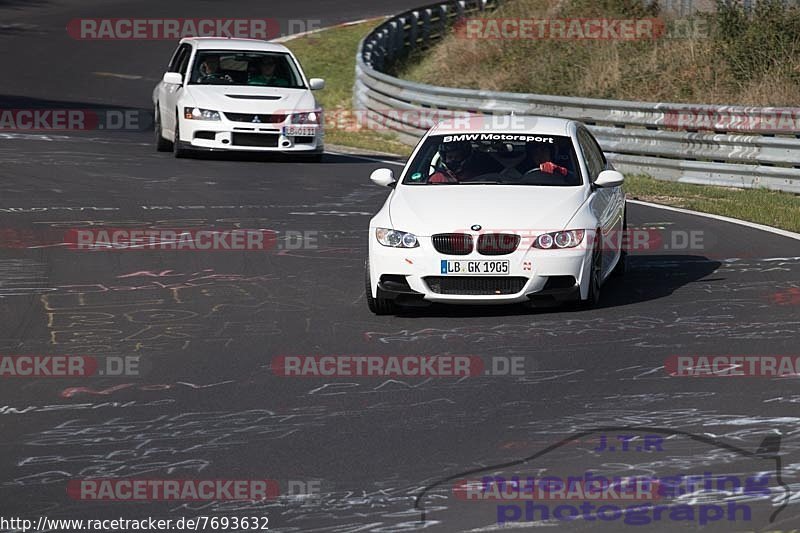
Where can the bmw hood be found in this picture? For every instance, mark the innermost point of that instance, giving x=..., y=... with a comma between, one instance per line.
x=264, y=100
x=428, y=209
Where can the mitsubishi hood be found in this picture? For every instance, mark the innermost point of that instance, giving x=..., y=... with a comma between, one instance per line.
x=428, y=209
x=251, y=99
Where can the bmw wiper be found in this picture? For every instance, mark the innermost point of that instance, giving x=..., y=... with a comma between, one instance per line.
x=479, y=183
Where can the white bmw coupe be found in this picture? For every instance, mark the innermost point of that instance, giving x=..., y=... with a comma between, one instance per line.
x=237, y=94
x=528, y=211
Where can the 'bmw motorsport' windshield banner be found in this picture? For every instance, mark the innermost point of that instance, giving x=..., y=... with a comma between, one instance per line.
x=496, y=137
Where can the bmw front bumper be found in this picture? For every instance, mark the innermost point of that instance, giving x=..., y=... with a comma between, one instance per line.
x=541, y=277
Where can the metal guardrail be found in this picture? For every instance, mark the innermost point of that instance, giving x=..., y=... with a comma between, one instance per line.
x=742, y=147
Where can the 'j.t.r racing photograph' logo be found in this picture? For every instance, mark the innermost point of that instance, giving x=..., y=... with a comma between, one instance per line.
x=618, y=475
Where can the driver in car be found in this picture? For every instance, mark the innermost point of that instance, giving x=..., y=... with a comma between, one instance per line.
x=540, y=157
x=458, y=163
x=209, y=70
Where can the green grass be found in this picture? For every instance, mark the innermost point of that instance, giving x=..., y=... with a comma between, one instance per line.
x=771, y=208
x=331, y=55
x=728, y=57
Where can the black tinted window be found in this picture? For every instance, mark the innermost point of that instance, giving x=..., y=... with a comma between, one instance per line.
x=595, y=161
x=180, y=58
x=495, y=159
x=254, y=68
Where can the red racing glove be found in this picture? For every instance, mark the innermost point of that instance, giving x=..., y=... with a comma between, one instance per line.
x=441, y=177
x=552, y=168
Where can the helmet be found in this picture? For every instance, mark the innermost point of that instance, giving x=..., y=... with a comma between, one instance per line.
x=539, y=152
x=455, y=154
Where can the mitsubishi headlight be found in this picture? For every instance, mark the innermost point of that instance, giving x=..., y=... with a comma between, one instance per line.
x=396, y=239
x=195, y=113
x=559, y=239
x=312, y=117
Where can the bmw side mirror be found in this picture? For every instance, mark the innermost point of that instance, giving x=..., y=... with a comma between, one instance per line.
x=316, y=84
x=609, y=178
x=173, y=78
x=383, y=177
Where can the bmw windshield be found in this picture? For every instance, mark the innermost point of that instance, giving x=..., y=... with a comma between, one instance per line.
x=495, y=159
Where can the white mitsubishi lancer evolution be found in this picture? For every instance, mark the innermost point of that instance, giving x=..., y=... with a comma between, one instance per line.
x=524, y=211
x=237, y=94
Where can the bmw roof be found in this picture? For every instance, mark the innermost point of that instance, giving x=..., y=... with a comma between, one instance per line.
x=504, y=124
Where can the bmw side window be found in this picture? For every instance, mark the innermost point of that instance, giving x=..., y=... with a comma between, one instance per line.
x=594, y=158
x=597, y=149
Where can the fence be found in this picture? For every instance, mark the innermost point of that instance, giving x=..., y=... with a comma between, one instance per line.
x=743, y=146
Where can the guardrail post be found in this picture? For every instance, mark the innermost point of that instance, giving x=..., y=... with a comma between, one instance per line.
x=460, y=9
x=443, y=11
x=413, y=29
x=426, y=27
x=391, y=40
x=401, y=34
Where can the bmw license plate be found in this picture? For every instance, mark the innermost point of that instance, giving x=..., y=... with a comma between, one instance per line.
x=299, y=131
x=464, y=267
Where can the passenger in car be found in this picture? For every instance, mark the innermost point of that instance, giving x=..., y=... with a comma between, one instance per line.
x=266, y=75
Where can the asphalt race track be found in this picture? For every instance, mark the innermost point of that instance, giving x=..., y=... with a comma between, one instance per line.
x=206, y=326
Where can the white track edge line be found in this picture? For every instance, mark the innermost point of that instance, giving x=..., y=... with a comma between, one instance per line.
x=286, y=38
x=730, y=220
x=376, y=160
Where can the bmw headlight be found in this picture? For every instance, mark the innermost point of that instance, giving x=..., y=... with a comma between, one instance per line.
x=396, y=239
x=559, y=239
x=312, y=117
x=195, y=113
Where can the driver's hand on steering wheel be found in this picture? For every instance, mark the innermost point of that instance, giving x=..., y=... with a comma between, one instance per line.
x=552, y=168
x=217, y=76
x=442, y=176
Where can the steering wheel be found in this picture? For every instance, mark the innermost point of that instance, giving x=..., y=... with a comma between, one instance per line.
x=537, y=176
x=532, y=172
x=216, y=76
